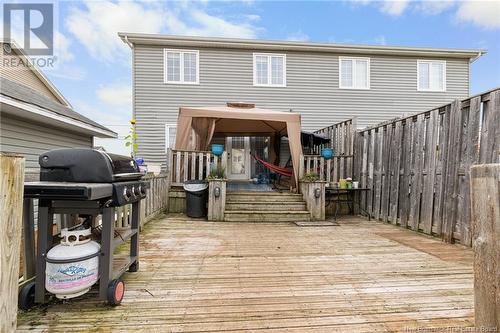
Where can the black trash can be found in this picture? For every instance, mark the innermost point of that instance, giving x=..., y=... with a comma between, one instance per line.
x=196, y=198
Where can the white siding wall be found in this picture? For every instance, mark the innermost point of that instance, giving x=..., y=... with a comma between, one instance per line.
x=312, y=90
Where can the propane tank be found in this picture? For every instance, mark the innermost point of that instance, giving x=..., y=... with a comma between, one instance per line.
x=73, y=265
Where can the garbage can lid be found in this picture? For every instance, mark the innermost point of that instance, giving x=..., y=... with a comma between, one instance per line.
x=195, y=185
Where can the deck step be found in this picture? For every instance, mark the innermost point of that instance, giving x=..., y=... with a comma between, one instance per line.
x=266, y=216
x=265, y=205
x=263, y=196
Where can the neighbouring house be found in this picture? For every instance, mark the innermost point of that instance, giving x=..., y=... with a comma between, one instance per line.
x=325, y=83
x=35, y=116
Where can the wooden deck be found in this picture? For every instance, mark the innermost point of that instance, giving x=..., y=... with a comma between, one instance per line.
x=199, y=276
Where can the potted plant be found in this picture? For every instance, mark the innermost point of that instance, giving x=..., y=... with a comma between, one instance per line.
x=217, y=173
x=310, y=177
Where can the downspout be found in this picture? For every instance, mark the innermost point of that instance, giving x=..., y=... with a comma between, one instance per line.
x=479, y=54
x=133, y=81
x=128, y=43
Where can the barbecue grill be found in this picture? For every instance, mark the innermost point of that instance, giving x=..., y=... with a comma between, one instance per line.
x=89, y=183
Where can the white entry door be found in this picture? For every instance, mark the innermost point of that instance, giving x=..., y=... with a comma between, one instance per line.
x=238, y=149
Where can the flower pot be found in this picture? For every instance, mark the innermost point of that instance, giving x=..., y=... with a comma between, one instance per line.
x=217, y=149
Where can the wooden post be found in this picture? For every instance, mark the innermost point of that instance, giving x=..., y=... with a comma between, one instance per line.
x=216, y=204
x=11, y=209
x=315, y=204
x=485, y=213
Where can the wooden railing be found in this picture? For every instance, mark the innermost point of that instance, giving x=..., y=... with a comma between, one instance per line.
x=328, y=170
x=186, y=165
x=418, y=167
x=154, y=203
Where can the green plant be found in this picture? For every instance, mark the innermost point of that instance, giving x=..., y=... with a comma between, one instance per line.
x=217, y=172
x=131, y=138
x=310, y=177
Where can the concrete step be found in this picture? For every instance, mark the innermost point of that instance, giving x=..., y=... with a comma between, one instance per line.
x=265, y=205
x=266, y=216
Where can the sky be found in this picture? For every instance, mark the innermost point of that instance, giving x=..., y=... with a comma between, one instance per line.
x=94, y=66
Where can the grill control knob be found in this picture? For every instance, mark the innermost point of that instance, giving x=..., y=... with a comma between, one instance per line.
x=137, y=191
x=126, y=194
x=143, y=190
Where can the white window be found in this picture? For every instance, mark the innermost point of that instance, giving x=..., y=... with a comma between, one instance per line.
x=181, y=66
x=269, y=70
x=170, y=133
x=431, y=75
x=354, y=73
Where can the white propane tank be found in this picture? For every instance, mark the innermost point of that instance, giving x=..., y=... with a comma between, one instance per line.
x=73, y=265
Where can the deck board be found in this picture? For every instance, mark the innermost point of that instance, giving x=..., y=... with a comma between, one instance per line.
x=198, y=276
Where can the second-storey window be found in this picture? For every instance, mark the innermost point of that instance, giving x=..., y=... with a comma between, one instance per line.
x=181, y=66
x=431, y=75
x=269, y=70
x=354, y=73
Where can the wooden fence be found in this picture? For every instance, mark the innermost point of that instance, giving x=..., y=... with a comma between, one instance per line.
x=341, y=137
x=418, y=167
x=191, y=165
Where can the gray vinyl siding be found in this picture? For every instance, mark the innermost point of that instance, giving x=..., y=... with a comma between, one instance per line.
x=312, y=89
x=31, y=139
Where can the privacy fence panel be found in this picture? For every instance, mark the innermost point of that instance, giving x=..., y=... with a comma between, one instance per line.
x=417, y=168
x=341, y=137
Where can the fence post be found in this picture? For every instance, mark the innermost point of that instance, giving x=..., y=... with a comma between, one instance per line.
x=485, y=214
x=11, y=209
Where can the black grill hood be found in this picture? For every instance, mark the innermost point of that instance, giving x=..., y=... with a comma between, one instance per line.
x=82, y=165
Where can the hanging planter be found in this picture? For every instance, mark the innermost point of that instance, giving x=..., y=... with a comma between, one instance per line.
x=327, y=153
x=217, y=149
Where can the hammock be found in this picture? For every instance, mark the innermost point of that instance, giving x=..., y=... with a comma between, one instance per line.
x=274, y=168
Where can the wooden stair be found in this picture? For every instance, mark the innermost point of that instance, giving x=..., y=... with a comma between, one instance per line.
x=265, y=207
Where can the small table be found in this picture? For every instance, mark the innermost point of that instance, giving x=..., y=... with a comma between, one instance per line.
x=350, y=199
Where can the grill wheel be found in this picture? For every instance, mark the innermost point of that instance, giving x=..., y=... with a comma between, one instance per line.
x=116, y=289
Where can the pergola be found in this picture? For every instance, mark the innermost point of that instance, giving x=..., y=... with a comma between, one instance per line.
x=196, y=126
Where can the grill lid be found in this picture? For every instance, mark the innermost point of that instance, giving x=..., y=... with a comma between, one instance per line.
x=85, y=165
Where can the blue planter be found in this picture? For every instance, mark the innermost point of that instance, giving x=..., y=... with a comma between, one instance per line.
x=217, y=150
x=327, y=153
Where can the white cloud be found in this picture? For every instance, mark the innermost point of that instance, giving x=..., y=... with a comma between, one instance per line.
x=62, y=48
x=215, y=26
x=394, y=7
x=96, y=24
x=434, y=7
x=390, y=7
x=253, y=17
x=119, y=95
x=298, y=36
x=482, y=13
x=485, y=14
